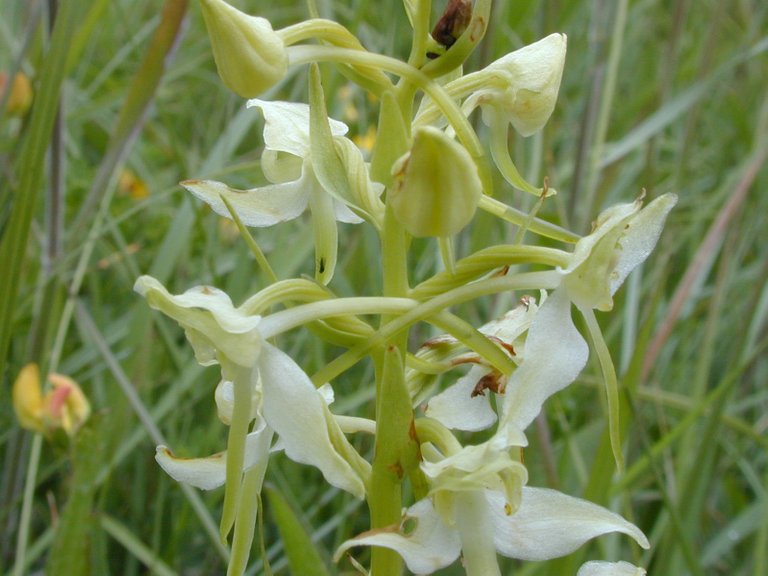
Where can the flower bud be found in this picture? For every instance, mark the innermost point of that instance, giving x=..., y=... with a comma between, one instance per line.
x=532, y=76
x=250, y=56
x=436, y=185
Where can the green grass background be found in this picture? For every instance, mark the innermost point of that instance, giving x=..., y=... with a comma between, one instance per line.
x=666, y=96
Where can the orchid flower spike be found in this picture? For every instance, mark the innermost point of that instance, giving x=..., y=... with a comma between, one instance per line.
x=288, y=164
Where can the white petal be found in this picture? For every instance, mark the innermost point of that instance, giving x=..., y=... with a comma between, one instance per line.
x=343, y=213
x=287, y=126
x=455, y=407
x=513, y=323
x=555, y=353
x=623, y=236
x=484, y=466
x=640, y=237
x=210, y=472
x=212, y=324
x=550, y=524
x=258, y=207
x=427, y=546
x=299, y=414
x=610, y=569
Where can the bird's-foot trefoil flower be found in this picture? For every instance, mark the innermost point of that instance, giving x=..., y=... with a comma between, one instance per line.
x=62, y=408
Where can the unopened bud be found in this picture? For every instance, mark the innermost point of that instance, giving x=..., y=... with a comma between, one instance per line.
x=250, y=56
x=436, y=185
x=532, y=75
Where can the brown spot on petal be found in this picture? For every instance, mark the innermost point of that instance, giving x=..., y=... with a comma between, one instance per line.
x=493, y=381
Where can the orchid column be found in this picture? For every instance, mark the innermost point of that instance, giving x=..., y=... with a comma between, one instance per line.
x=433, y=496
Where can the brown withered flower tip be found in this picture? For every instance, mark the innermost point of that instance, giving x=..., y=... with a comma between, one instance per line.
x=453, y=22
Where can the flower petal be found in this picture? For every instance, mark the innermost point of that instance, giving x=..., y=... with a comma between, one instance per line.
x=422, y=539
x=555, y=353
x=550, y=524
x=640, y=237
x=212, y=324
x=210, y=472
x=258, y=207
x=610, y=569
x=623, y=236
x=286, y=126
x=457, y=408
x=299, y=414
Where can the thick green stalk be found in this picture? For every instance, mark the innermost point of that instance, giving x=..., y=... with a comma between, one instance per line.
x=394, y=415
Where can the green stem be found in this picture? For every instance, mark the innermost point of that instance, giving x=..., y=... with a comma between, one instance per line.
x=433, y=311
x=519, y=218
x=394, y=414
x=238, y=430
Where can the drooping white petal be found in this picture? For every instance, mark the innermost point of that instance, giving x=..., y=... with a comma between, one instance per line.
x=212, y=324
x=549, y=524
x=210, y=472
x=258, y=207
x=555, y=353
x=456, y=408
x=286, y=126
x=300, y=415
x=622, y=568
x=422, y=539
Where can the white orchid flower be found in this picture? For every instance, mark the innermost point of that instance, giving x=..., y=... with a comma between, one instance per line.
x=288, y=164
x=547, y=524
x=260, y=376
